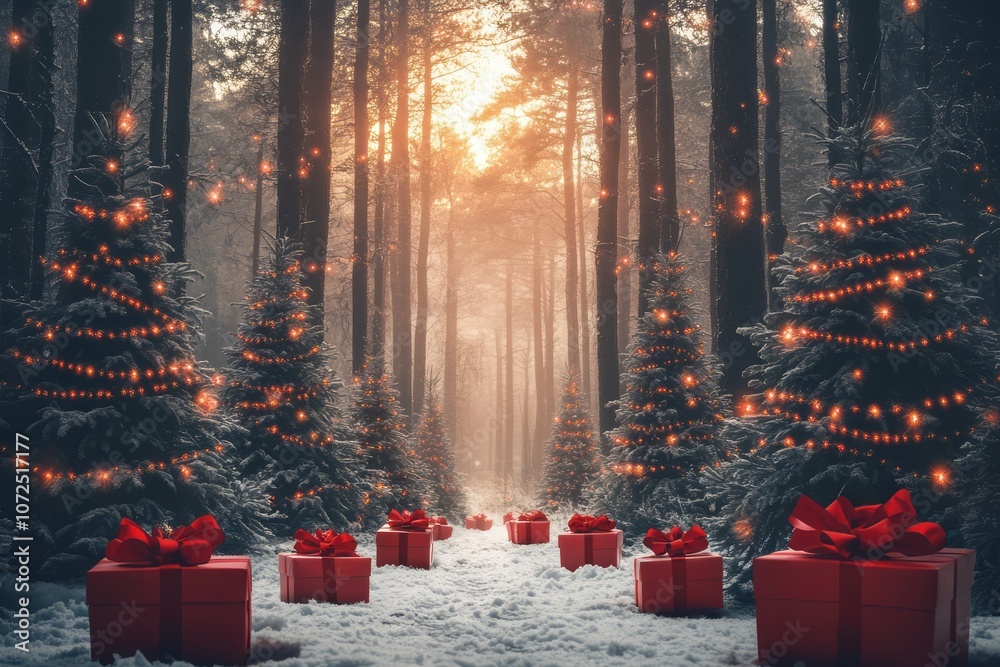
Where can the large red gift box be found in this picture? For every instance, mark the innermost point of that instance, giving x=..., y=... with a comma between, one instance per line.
x=197, y=613
x=863, y=586
x=440, y=528
x=528, y=528
x=410, y=548
x=337, y=579
x=478, y=522
x=824, y=611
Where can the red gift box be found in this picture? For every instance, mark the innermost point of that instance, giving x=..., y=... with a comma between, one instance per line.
x=509, y=516
x=528, y=528
x=681, y=575
x=837, y=599
x=199, y=613
x=410, y=548
x=336, y=579
x=590, y=541
x=440, y=528
x=478, y=522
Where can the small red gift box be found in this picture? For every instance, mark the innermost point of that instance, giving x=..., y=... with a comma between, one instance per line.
x=336, y=579
x=478, y=522
x=407, y=540
x=590, y=541
x=681, y=575
x=528, y=528
x=509, y=516
x=838, y=600
x=440, y=528
x=164, y=597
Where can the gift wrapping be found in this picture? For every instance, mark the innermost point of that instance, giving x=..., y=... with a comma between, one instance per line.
x=478, y=522
x=678, y=583
x=603, y=549
x=197, y=613
x=336, y=579
x=528, y=528
x=410, y=548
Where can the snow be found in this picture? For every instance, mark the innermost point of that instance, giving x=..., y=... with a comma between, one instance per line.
x=486, y=601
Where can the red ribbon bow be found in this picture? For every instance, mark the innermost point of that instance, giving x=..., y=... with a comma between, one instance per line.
x=187, y=545
x=868, y=532
x=676, y=542
x=325, y=543
x=589, y=524
x=532, y=515
x=407, y=520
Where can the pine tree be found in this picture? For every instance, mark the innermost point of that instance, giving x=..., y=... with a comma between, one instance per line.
x=670, y=415
x=103, y=378
x=878, y=367
x=434, y=448
x=571, y=454
x=280, y=386
x=383, y=446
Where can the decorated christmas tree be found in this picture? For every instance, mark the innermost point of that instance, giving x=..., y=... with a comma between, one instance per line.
x=281, y=387
x=877, y=369
x=434, y=449
x=386, y=453
x=102, y=376
x=571, y=457
x=669, y=417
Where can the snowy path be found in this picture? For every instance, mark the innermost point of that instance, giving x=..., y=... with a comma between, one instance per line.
x=486, y=602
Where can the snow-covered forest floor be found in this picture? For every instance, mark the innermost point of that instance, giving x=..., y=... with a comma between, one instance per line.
x=485, y=602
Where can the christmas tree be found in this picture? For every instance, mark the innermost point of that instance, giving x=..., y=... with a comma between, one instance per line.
x=434, y=449
x=571, y=458
x=383, y=446
x=102, y=376
x=281, y=387
x=877, y=369
x=669, y=417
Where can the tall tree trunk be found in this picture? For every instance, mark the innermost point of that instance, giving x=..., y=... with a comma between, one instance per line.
x=669, y=221
x=864, y=76
x=607, y=211
x=774, y=225
x=258, y=208
x=497, y=458
x=585, y=354
x=318, y=109
x=158, y=81
x=713, y=288
x=508, y=448
x=451, y=330
x=645, y=138
x=424, y=237
x=178, y=137
x=103, y=78
x=831, y=70
x=537, y=323
x=378, y=246
x=293, y=48
x=42, y=101
x=624, y=266
x=402, y=329
x=569, y=219
x=526, y=469
x=362, y=133
x=20, y=143
x=740, y=271
x=550, y=338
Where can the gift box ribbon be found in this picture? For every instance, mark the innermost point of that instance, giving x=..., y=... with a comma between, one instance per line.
x=529, y=516
x=407, y=520
x=325, y=543
x=677, y=544
x=868, y=532
x=185, y=546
